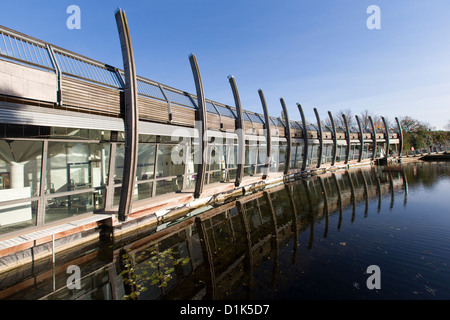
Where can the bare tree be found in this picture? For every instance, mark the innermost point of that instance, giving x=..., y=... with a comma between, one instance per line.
x=365, y=121
x=409, y=124
x=339, y=120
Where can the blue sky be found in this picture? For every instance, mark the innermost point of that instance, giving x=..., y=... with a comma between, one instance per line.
x=317, y=53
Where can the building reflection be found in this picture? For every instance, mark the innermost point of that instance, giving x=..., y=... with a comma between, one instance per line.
x=225, y=246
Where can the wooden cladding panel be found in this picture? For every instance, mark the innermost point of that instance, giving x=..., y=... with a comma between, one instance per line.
x=213, y=121
x=259, y=128
x=78, y=93
x=151, y=109
x=228, y=123
x=296, y=133
x=248, y=128
x=281, y=131
x=183, y=115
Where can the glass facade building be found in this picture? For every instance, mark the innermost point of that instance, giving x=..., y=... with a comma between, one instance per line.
x=62, y=147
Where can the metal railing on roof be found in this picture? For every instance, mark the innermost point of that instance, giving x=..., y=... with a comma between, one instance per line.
x=26, y=50
x=20, y=48
x=80, y=67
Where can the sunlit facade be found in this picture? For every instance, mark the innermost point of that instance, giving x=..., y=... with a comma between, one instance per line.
x=62, y=138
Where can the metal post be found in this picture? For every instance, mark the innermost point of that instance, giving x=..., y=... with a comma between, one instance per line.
x=51, y=53
x=203, y=141
x=319, y=162
x=374, y=138
x=268, y=134
x=288, y=137
x=361, y=138
x=386, y=134
x=400, y=133
x=305, y=136
x=40, y=220
x=240, y=129
x=53, y=248
x=131, y=117
x=347, y=135
x=333, y=126
x=169, y=103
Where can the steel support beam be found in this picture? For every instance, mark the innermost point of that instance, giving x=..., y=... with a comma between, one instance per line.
x=40, y=219
x=240, y=130
x=131, y=117
x=333, y=127
x=374, y=138
x=287, y=165
x=319, y=126
x=305, y=136
x=268, y=134
x=203, y=141
x=361, y=138
x=386, y=137
x=400, y=133
x=347, y=136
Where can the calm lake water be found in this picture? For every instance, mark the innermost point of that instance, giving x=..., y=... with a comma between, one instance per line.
x=309, y=239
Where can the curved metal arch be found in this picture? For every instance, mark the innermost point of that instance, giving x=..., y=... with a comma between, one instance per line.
x=305, y=136
x=374, y=138
x=361, y=138
x=201, y=111
x=333, y=126
x=131, y=117
x=386, y=138
x=240, y=132
x=320, y=132
x=347, y=136
x=288, y=137
x=400, y=132
x=268, y=134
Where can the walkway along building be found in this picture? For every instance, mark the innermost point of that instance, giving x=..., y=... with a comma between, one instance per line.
x=86, y=147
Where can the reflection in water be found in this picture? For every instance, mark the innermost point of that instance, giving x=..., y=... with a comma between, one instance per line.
x=311, y=238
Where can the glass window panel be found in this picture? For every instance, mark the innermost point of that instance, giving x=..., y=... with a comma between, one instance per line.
x=226, y=112
x=256, y=118
x=217, y=176
x=248, y=171
x=74, y=166
x=232, y=174
x=299, y=156
x=233, y=156
x=169, y=185
x=210, y=108
x=216, y=158
x=143, y=191
x=165, y=166
x=17, y=216
x=20, y=169
x=274, y=159
x=149, y=89
x=313, y=160
x=259, y=169
x=119, y=161
x=68, y=206
x=190, y=181
x=179, y=98
x=282, y=157
x=146, y=162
